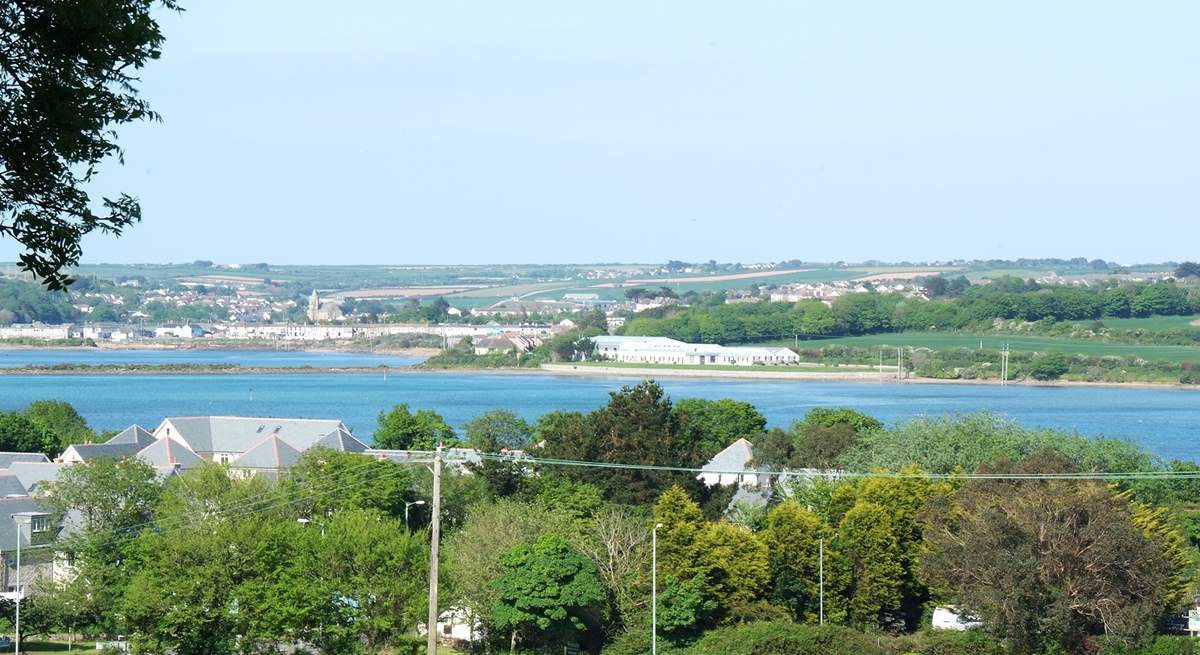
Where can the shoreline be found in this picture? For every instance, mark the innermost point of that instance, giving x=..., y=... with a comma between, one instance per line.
x=561, y=370
x=225, y=346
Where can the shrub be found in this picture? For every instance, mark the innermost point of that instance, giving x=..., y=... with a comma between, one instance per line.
x=948, y=642
x=783, y=638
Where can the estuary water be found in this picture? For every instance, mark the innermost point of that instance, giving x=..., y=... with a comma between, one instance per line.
x=1165, y=421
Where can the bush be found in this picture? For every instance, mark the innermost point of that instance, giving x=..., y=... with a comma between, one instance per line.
x=948, y=642
x=408, y=645
x=1161, y=645
x=783, y=638
x=1049, y=366
x=638, y=643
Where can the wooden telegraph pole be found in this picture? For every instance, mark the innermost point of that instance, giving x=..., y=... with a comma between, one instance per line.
x=436, y=523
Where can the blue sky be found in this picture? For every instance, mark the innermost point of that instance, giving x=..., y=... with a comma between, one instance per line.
x=486, y=132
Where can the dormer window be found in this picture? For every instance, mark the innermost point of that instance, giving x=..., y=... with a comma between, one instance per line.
x=39, y=523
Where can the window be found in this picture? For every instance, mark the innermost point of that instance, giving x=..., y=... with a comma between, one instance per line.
x=39, y=524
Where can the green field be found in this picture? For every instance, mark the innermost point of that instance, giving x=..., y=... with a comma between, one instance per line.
x=1153, y=323
x=618, y=292
x=716, y=367
x=942, y=341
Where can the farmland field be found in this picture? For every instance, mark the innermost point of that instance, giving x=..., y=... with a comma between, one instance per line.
x=618, y=292
x=1152, y=323
x=944, y=340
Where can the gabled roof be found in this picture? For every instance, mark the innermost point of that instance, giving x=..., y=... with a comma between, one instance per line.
x=169, y=451
x=93, y=451
x=237, y=434
x=10, y=485
x=134, y=434
x=341, y=440
x=270, y=453
x=34, y=475
x=736, y=457
x=7, y=458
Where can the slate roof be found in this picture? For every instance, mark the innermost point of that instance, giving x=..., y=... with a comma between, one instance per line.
x=93, y=451
x=270, y=453
x=736, y=457
x=10, y=485
x=134, y=434
x=34, y=475
x=341, y=440
x=237, y=434
x=169, y=451
x=8, y=527
x=7, y=458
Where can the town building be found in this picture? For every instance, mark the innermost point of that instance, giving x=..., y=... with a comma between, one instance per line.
x=663, y=350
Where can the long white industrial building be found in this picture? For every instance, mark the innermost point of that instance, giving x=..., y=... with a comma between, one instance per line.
x=662, y=350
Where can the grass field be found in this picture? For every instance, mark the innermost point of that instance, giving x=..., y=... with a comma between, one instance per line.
x=714, y=367
x=1153, y=323
x=942, y=341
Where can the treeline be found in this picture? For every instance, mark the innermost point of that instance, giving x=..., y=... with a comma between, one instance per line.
x=539, y=557
x=870, y=313
x=45, y=426
x=27, y=302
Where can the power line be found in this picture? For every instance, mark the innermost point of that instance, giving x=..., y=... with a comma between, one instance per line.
x=839, y=474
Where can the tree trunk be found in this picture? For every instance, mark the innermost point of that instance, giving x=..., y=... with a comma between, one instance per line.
x=512, y=643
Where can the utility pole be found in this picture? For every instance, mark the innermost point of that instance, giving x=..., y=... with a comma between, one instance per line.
x=436, y=523
x=654, y=589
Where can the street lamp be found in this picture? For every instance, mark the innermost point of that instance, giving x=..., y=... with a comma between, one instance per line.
x=18, y=519
x=654, y=589
x=406, y=506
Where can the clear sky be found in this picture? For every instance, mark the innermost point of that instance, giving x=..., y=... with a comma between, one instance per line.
x=495, y=132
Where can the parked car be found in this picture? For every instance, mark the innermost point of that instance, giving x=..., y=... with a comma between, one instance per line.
x=6, y=641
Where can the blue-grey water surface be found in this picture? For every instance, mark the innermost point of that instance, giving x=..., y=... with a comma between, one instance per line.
x=1165, y=421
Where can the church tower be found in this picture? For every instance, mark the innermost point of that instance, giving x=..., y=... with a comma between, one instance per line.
x=314, y=306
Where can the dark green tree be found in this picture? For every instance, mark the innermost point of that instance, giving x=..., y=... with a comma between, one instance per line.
x=547, y=593
x=401, y=429
x=66, y=82
x=59, y=420
x=494, y=433
x=714, y=424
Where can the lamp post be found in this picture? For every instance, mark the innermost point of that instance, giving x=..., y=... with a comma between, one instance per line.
x=17, y=629
x=406, y=506
x=654, y=589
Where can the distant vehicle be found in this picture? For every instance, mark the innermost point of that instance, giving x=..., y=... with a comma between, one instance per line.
x=6, y=641
x=948, y=618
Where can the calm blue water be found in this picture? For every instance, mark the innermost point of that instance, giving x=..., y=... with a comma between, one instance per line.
x=1166, y=421
x=269, y=358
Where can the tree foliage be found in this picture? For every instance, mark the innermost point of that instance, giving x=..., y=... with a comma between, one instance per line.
x=401, y=429
x=1050, y=562
x=66, y=82
x=547, y=592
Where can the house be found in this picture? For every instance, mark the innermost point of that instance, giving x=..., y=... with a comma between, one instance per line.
x=7, y=458
x=457, y=624
x=224, y=438
x=127, y=443
x=734, y=466
x=506, y=343
x=27, y=522
x=949, y=618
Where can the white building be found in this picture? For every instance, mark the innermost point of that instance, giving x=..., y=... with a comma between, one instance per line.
x=662, y=350
x=186, y=331
x=36, y=331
